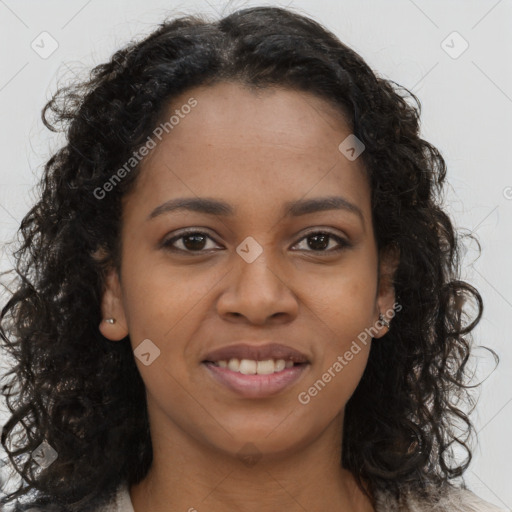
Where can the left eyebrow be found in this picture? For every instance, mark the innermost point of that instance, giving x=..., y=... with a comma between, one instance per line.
x=293, y=208
x=319, y=204
x=194, y=204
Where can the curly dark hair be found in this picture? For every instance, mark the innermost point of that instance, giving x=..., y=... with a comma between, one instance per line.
x=82, y=394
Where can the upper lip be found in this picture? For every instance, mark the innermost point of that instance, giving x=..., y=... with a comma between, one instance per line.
x=256, y=352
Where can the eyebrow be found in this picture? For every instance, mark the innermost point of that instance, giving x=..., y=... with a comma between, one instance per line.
x=220, y=208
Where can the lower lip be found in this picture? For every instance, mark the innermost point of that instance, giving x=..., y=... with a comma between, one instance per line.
x=257, y=386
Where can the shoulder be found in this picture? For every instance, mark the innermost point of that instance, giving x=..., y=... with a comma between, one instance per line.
x=114, y=500
x=117, y=501
x=464, y=500
x=440, y=499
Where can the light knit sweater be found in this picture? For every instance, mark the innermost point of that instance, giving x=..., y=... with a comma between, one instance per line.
x=451, y=500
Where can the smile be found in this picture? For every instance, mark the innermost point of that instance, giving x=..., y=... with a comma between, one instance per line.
x=256, y=379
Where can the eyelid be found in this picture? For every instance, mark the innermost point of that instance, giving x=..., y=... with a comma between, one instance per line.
x=167, y=242
x=322, y=229
x=343, y=242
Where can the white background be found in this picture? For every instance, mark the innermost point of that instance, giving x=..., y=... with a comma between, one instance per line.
x=467, y=108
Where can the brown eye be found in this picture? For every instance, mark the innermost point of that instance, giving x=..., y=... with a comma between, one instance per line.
x=194, y=242
x=319, y=241
x=197, y=242
x=191, y=241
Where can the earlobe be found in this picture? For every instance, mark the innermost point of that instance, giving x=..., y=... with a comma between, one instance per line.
x=113, y=325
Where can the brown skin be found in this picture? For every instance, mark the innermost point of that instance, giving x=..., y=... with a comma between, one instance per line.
x=254, y=151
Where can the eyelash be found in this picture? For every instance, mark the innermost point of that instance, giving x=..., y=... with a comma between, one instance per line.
x=343, y=244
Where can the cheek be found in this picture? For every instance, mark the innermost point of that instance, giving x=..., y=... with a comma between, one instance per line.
x=343, y=311
x=344, y=302
x=168, y=306
x=160, y=299
x=338, y=369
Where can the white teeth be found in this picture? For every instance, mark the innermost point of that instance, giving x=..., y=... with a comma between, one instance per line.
x=247, y=367
x=252, y=367
x=266, y=367
x=280, y=365
x=234, y=365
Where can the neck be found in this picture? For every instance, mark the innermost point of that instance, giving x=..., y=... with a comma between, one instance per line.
x=189, y=476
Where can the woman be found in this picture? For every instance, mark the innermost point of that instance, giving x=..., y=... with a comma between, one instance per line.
x=238, y=290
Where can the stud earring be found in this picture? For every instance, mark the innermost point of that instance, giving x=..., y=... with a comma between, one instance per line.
x=383, y=320
x=110, y=320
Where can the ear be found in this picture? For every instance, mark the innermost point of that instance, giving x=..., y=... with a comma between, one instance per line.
x=385, y=303
x=112, y=307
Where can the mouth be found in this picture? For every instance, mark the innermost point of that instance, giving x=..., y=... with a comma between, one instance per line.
x=256, y=372
x=254, y=367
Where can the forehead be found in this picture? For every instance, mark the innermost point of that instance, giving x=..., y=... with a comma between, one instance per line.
x=253, y=147
x=228, y=111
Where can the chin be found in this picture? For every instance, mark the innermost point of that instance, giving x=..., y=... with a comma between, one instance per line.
x=271, y=441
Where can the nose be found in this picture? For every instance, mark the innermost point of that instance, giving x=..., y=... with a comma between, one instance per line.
x=257, y=293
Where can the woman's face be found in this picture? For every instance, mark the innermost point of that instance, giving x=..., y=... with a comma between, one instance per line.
x=257, y=271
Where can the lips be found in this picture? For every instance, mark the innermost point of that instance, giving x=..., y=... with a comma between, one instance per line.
x=256, y=386
x=256, y=371
x=241, y=351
